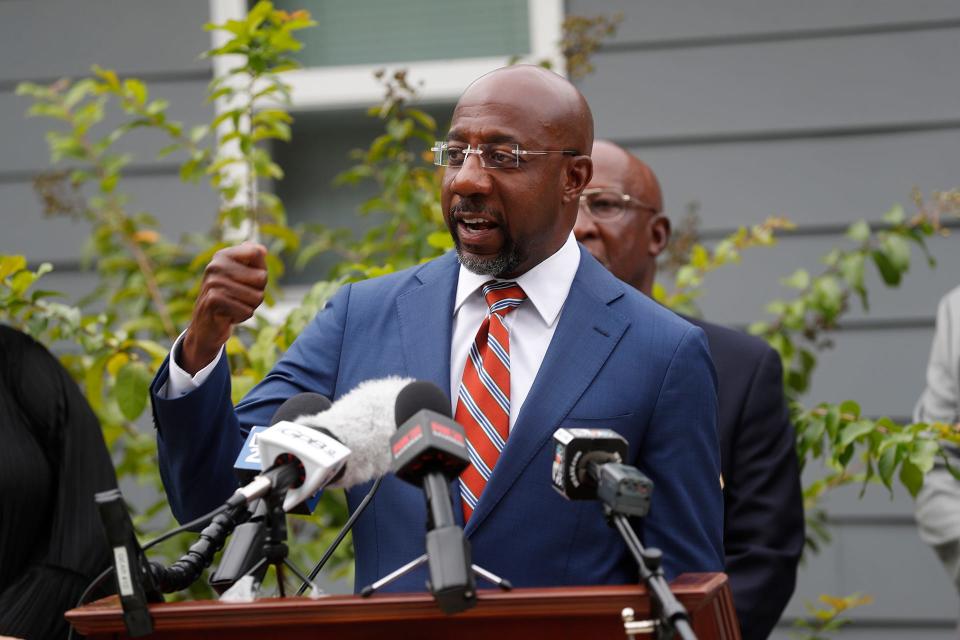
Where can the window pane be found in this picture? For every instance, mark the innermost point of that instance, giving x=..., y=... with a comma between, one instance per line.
x=390, y=31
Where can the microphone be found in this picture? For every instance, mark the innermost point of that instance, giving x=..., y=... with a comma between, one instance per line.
x=135, y=584
x=247, y=466
x=429, y=450
x=358, y=426
x=245, y=548
x=588, y=465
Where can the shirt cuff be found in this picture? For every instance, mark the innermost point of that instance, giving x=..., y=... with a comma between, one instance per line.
x=179, y=382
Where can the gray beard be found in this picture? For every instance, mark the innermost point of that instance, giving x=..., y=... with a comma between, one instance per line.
x=503, y=262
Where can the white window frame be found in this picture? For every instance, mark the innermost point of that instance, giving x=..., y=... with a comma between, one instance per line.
x=336, y=87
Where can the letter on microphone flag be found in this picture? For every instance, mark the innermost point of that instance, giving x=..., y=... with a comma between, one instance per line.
x=321, y=455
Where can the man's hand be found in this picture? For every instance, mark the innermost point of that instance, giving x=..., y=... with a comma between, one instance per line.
x=232, y=289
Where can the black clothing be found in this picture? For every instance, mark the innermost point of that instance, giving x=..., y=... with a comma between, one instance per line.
x=52, y=460
x=763, y=532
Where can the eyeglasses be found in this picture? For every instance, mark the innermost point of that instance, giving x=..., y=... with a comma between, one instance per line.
x=609, y=204
x=494, y=155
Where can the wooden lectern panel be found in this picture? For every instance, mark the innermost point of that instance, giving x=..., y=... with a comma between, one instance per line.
x=581, y=613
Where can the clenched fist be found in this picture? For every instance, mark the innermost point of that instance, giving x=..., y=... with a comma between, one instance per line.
x=232, y=289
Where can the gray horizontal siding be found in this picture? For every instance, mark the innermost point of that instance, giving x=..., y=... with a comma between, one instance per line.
x=49, y=39
x=816, y=181
x=869, y=80
x=653, y=23
x=27, y=135
x=738, y=293
x=826, y=112
x=891, y=564
x=178, y=207
x=883, y=370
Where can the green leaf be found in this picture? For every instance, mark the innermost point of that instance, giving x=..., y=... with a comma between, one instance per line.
x=135, y=90
x=832, y=421
x=854, y=430
x=859, y=231
x=895, y=215
x=133, y=384
x=888, y=464
x=93, y=381
x=800, y=279
x=897, y=250
x=11, y=264
x=889, y=273
x=923, y=455
x=850, y=407
x=440, y=240
x=912, y=477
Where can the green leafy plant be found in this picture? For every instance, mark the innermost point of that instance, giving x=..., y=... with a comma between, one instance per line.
x=146, y=283
x=826, y=618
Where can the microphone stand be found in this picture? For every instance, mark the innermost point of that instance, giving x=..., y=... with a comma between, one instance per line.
x=672, y=618
x=453, y=575
x=275, y=550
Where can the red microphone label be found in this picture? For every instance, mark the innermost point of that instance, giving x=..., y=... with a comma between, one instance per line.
x=407, y=440
x=451, y=435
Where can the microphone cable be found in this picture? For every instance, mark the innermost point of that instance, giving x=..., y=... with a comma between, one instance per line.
x=348, y=525
x=96, y=582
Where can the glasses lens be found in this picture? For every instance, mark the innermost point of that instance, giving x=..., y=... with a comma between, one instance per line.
x=453, y=155
x=500, y=156
x=605, y=205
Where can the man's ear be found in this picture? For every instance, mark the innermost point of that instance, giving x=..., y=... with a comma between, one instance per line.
x=576, y=178
x=659, y=234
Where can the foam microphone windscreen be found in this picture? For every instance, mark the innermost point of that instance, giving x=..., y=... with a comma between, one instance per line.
x=307, y=403
x=418, y=396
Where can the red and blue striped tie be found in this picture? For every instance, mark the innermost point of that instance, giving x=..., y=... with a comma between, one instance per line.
x=483, y=407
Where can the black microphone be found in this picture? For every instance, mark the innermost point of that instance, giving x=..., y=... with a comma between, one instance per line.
x=134, y=581
x=588, y=465
x=429, y=450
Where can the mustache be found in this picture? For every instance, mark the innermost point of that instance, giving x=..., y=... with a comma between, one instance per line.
x=473, y=205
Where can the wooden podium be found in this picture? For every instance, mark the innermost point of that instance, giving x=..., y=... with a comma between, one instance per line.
x=581, y=613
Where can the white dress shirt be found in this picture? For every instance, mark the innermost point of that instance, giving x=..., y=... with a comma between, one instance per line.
x=531, y=325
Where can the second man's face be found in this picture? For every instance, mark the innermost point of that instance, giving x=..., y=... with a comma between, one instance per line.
x=625, y=245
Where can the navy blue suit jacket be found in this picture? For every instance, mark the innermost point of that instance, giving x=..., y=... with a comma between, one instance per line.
x=617, y=360
x=763, y=533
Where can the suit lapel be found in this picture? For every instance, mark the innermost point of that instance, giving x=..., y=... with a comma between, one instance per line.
x=425, y=314
x=586, y=335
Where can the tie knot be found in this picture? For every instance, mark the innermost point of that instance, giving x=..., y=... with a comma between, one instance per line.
x=503, y=297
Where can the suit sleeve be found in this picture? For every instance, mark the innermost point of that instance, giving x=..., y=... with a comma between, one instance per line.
x=199, y=434
x=939, y=401
x=764, y=530
x=680, y=453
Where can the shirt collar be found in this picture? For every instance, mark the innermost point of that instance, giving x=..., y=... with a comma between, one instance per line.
x=546, y=285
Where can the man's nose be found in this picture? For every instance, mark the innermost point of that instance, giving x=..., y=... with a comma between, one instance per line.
x=471, y=178
x=585, y=226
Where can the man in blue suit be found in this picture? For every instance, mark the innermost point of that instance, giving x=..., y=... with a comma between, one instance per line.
x=622, y=225
x=585, y=350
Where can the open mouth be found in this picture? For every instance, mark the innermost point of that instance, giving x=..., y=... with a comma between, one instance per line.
x=476, y=224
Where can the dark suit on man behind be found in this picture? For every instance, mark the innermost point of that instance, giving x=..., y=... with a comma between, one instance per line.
x=763, y=532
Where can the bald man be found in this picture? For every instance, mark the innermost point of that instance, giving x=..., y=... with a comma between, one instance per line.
x=526, y=331
x=621, y=222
